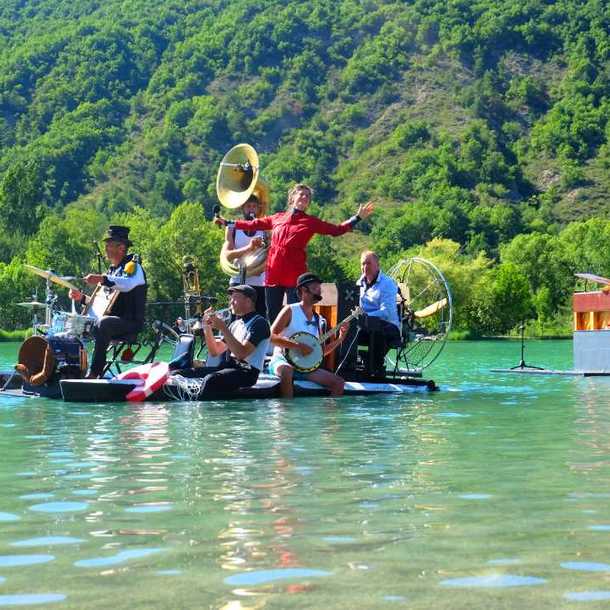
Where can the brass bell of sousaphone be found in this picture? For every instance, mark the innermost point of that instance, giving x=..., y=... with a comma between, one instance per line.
x=239, y=177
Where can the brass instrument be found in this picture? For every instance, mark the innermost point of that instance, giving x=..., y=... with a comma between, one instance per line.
x=254, y=262
x=238, y=178
x=224, y=314
x=192, y=295
x=190, y=276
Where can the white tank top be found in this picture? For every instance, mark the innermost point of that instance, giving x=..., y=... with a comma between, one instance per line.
x=241, y=240
x=298, y=323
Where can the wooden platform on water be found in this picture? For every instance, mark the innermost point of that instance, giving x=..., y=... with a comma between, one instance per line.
x=115, y=390
x=527, y=370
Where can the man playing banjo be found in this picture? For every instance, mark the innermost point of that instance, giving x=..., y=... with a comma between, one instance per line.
x=300, y=317
x=125, y=316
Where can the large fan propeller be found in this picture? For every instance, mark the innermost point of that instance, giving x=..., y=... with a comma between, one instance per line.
x=426, y=313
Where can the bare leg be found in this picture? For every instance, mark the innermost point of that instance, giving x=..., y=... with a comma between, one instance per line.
x=285, y=372
x=334, y=383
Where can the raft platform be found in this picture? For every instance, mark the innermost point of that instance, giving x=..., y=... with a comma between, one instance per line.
x=116, y=390
x=536, y=371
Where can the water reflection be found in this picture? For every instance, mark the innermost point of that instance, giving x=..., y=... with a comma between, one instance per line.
x=266, y=576
x=47, y=541
x=9, y=517
x=588, y=596
x=118, y=559
x=12, y=561
x=354, y=502
x=31, y=599
x=493, y=581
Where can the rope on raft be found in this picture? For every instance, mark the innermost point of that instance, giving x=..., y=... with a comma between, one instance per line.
x=183, y=388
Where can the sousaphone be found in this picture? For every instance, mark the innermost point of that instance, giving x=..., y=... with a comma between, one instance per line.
x=238, y=178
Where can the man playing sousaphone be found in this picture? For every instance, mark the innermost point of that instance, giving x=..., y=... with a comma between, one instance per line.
x=300, y=317
x=126, y=280
x=239, y=243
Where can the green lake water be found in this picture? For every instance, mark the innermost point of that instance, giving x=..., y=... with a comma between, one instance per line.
x=492, y=493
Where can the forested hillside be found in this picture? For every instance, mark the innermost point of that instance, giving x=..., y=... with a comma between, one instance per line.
x=480, y=128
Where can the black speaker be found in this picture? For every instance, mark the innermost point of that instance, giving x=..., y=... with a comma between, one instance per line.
x=348, y=297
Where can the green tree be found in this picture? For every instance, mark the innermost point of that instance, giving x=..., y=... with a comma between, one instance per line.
x=20, y=196
x=504, y=301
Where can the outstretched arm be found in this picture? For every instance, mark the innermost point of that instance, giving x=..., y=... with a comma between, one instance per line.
x=328, y=228
x=258, y=224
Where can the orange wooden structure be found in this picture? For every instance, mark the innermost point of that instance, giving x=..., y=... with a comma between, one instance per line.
x=591, y=310
x=328, y=308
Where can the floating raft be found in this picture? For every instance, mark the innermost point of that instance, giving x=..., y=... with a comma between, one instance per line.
x=116, y=390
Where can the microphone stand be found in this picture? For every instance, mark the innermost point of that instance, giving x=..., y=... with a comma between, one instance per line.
x=522, y=364
x=99, y=257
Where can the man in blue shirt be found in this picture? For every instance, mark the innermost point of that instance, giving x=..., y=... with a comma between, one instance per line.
x=381, y=326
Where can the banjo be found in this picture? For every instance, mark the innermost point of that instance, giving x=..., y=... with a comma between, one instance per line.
x=100, y=302
x=309, y=363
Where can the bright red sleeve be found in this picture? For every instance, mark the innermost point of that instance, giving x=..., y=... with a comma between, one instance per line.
x=328, y=228
x=258, y=224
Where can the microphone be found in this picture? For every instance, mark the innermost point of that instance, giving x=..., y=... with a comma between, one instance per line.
x=223, y=221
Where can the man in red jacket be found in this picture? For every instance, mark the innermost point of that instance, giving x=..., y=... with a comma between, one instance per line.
x=291, y=231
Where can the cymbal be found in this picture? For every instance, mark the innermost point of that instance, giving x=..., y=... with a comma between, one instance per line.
x=52, y=277
x=32, y=304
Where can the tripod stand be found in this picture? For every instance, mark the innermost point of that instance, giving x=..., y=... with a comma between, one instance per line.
x=522, y=364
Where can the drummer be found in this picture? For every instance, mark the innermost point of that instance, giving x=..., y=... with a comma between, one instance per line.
x=239, y=242
x=126, y=316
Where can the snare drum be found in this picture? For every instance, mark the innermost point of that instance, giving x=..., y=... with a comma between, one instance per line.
x=58, y=323
x=79, y=326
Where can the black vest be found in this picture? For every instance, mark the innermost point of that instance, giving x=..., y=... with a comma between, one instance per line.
x=130, y=305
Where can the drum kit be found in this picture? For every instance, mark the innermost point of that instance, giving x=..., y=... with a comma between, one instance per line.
x=56, y=322
x=56, y=348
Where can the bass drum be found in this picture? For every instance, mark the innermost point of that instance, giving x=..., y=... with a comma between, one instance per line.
x=43, y=361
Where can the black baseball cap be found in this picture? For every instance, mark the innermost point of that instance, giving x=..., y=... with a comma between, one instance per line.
x=307, y=278
x=245, y=290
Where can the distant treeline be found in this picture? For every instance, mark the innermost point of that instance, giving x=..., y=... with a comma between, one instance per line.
x=480, y=128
